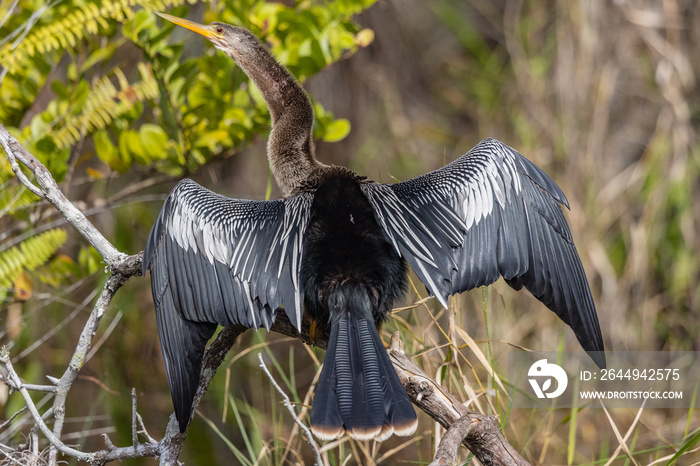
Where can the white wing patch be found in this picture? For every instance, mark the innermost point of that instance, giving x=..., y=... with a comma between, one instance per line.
x=491, y=175
x=395, y=219
x=243, y=236
x=453, y=200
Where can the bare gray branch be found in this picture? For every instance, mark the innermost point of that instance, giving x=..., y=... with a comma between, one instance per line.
x=52, y=193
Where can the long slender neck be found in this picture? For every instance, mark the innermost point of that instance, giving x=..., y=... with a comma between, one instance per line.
x=290, y=148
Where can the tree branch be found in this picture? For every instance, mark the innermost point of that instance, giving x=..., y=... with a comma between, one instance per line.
x=49, y=190
x=13, y=380
x=114, y=282
x=480, y=433
x=447, y=450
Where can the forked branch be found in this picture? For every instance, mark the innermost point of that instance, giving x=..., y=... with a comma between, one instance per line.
x=480, y=433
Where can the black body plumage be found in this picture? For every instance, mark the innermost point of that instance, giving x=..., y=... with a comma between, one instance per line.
x=351, y=276
x=345, y=244
x=337, y=246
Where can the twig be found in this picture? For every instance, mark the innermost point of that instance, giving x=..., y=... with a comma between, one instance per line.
x=8, y=452
x=56, y=442
x=108, y=443
x=40, y=388
x=99, y=383
x=35, y=444
x=452, y=439
x=18, y=172
x=305, y=404
x=134, y=428
x=29, y=386
x=290, y=407
x=112, y=325
x=9, y=455
x=143, y=430
x=51, y=192
x=114, y=282
x=12, y=418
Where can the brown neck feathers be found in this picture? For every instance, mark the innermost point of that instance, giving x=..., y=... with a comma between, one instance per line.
x=290, y=148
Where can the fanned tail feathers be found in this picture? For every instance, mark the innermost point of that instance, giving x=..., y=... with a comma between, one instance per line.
x=359, y=391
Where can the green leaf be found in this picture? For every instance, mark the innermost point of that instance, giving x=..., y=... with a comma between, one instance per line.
x=131, y=148
x=337, y=130
x=154, y=141
x=141, y=20
x=213, y=139
x=60, y=269
x=686, y=446
x=60, y=90
x=99, y=55
x=82, y=90
x=104, y=148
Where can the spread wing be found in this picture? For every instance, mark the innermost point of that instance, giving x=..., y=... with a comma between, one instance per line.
x=488, y=214
x=216, y=260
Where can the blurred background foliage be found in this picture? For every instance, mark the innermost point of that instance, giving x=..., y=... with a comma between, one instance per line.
x=119, y=106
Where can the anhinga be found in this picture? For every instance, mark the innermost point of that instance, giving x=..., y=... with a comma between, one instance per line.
x=336, y=247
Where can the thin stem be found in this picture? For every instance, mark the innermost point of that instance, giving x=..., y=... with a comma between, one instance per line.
x=290, y=407
x=56, y=442
x=82, y=349
x=51, y=192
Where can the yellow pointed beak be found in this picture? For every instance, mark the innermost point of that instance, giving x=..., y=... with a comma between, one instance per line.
x=201, y=29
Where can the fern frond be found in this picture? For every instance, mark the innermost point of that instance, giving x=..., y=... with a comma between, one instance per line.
x=105, y=103
x=64, y=33
x=13, y=198
x=30, y=254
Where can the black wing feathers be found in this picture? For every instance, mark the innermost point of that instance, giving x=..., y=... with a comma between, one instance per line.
x=216, y=260
x=488, y=214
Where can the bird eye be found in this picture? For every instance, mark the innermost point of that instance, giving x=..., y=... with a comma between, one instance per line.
x=219, y=30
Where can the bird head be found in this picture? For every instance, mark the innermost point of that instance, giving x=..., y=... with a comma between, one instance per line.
x=232, y=40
